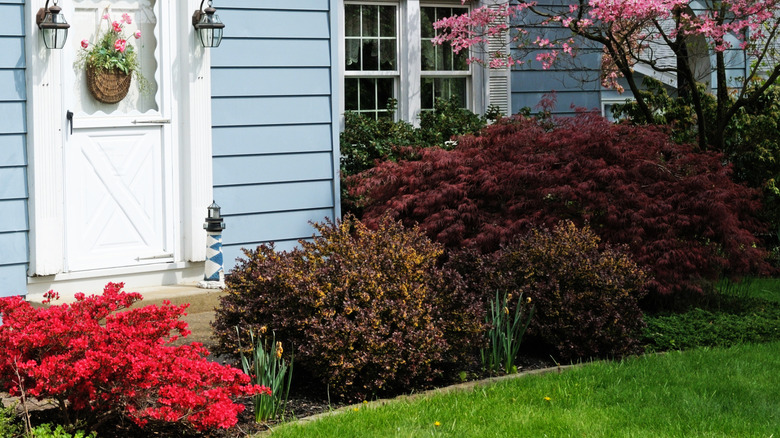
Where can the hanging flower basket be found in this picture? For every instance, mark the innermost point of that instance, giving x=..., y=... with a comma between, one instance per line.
x=108, y=86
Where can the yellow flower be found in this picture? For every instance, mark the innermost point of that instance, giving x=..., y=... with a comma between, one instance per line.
x=365, y=402
x=279, y=350
x=506, y=310
x=355, y=409
x=528, y=300
x=547, y=399
x=436, y=423
x=263, y=329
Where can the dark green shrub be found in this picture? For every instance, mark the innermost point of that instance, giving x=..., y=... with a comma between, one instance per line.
x=366, y=139
x=585, y=298
x=367, y=312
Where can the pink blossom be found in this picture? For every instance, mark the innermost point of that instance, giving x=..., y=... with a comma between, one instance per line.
x=106, y=16
x=120, y=45
x=126, y=18
x=117, y=27
x=137, y=34
x=84, y=43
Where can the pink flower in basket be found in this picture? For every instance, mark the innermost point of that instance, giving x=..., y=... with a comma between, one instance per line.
x=84, y=44
x=137, y=34
x=126, y=18
x=120, y=45
x=117, y=27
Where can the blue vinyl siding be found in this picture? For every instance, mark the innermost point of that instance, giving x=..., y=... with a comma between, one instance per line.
x=575, y=81
x=274, y=147
x=14, y=226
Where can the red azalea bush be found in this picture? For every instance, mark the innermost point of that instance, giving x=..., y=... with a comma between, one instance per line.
x=95, y=358
x=677, y=210
x=367, y=312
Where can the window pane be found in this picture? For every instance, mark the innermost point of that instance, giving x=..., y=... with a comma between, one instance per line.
x=427, y=17
x=370, y=20
x=457, y=88
x=367, y=93
x=384, y=91
x=370, y=55
x=426, y=93
x=443, y=88
x=352, y=20
x=351, y=94
x=352, y=57
x=387, y=20
x=428, y=58
x=460, y=62
x=388, y=55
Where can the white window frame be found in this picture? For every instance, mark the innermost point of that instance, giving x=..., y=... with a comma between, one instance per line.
x=409, y=69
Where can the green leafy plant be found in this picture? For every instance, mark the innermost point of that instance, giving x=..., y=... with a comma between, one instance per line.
x=505, y=332
x=112, y=51
x=50, y=431
x=266, y=367
x=10, y=425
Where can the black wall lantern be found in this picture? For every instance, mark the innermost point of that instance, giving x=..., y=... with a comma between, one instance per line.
x=208, y=26
x=54, y=28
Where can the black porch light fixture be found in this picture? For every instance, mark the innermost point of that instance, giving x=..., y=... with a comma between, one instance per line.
x=207, y=25
x=54, y=28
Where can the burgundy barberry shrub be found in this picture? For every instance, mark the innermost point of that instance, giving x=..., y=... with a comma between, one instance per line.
x=367, y=312
x=677, y=210
x=96, y=359
x=585, y=297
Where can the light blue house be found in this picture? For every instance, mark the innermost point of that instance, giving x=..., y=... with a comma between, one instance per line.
x=118, y=192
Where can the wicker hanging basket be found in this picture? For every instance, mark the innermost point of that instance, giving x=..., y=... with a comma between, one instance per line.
x=108, y=86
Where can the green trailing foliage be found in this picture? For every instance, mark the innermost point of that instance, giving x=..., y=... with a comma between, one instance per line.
x=731, y=322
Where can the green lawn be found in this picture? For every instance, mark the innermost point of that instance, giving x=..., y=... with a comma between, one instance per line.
x=700, y=393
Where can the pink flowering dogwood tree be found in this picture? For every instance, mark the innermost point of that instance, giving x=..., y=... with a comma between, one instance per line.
x=630, y=32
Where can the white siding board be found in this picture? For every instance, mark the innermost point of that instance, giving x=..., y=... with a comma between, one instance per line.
x=275, y=24
x=12, y=150
x=229, y=82
x=13, y=280
x=245, y=140
x=252, y=199
x=271, y=168
x=271, y=53
x=270, y=110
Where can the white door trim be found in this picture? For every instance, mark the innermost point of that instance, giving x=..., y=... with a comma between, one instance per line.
x=191, y=151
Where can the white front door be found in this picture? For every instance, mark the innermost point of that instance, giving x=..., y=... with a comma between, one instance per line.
x=118, y=172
